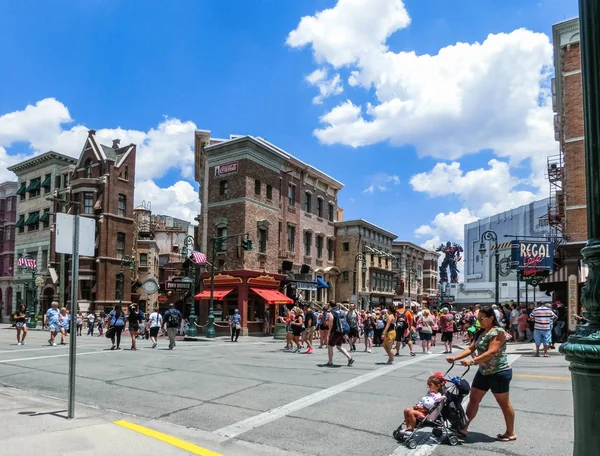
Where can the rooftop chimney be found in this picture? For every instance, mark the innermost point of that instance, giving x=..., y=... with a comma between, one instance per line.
x=116, y=143
x=91, y=132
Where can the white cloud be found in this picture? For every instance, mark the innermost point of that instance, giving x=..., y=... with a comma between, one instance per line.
x=381, y=181
x=327, y=87
x=169, y=145
x=179, y=200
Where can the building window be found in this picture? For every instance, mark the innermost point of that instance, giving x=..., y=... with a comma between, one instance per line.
x=307, y=202
x=47, y=183
x=44, y=264
x=330, y=215
x=257, y=187
x=346, y=246
x=269, y=192
x=119, y=281
x=307, y=242
x=291, y=195
x=65, y=180
x=33, y=221
x=87, y=172
x=143, y=260
x=291, y=232
x=22, y=191
x=345, y=276
x=319, y=246
x=330, y=249
x=21, y=223
x=88, y=203
x=8, y=204
x=86, y=290
x=120, y=245
x=122, y=201
x=46, y=218
x=8, y=233
x=34, y=187
x=221, y=233
x=262, y=240
x=223, y=188
x=320, y=207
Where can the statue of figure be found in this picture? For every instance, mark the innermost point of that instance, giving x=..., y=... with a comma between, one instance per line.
x=451, y=257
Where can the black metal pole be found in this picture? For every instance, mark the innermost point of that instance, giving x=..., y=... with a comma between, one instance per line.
x=210, y=332
x=518, y=291
x=497, y=258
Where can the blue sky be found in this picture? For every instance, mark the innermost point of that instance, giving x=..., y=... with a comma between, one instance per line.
x=156, y=70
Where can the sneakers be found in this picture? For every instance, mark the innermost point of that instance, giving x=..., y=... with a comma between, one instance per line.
x=50, y=342
x=154, y=345
x=297, y=350
x=369, y=350
x=23, y=343
x=429, y=352
x=54, y=344
x=390, y=362
x=350, y=361
x=18, y=343
x=413, y=354
x=310, y=350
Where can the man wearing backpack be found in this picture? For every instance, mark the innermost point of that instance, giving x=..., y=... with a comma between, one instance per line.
x=338, y=328
x=172, y=319
x=352, y=320
x=404, y=322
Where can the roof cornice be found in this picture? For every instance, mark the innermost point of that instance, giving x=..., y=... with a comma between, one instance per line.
x=43, y=159
x=362, y=222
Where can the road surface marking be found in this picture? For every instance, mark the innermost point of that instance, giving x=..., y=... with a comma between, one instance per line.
x=47, y=347
x=56, y=356
x=427, y=444
x=548, y=377
x=246, y=425
x=173, y=441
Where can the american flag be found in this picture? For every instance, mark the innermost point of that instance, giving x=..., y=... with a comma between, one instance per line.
x=27, y=262
x=199, y=257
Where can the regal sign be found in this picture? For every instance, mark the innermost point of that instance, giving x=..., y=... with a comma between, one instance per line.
x=532, y=256
x=225, y=169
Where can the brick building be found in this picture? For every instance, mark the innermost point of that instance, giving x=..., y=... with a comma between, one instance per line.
x=146, y=258
x=567, y=214
x=100, y=186
x=8, y=212
x=287, y=208
x=37, y=179
x=374, y=282
x=417, y=270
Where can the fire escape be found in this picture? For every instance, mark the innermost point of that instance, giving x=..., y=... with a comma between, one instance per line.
x=556, y=206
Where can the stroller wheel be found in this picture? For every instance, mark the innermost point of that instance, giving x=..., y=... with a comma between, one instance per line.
x=437, y=432
x=453, y=440
x=412, y=444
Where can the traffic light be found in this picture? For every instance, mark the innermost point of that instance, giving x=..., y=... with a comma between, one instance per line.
x=247, y=244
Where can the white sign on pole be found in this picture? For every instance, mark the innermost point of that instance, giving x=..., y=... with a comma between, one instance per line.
x=65, y=233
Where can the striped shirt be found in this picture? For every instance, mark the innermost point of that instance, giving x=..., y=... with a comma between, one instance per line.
x=543, y=318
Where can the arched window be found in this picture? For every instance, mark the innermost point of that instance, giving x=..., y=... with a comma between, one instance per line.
x=87, y=172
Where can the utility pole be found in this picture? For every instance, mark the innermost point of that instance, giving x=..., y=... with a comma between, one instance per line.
x=583, y=348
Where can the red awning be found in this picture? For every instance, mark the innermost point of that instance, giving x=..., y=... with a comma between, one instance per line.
x=272, y=296
x=218, y=294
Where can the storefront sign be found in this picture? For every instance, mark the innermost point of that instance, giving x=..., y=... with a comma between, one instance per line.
x=573, y=301
x=532, y=256
x=178, y=285
x=306, y=286
x=227, y=168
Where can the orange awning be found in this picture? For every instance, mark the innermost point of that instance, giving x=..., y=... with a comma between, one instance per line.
x=272, y=296
x=218, y=294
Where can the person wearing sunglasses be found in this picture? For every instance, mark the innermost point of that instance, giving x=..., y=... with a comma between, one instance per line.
x=494, y=371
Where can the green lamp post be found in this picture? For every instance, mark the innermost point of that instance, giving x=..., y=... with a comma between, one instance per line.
x=29, y=288
x=583, y=348
x=188, y=242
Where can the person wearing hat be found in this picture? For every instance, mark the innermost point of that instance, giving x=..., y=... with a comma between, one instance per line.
x=236, y=325
x=446, y=325
x=134, y=318
x=172, y=319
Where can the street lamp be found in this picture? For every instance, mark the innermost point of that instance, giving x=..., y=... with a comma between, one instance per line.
x=30, y=292
x=125, y=260
x=188, y=242
x=362, y=257
x=583, y=348
x=490, y=235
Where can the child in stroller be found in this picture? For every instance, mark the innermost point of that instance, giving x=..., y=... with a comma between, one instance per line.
x=444, y=413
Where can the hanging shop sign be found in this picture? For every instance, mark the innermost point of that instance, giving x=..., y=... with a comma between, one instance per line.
x=178, y=284
x=532, y=256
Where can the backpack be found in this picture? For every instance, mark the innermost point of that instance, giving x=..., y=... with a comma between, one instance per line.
x=352, y=320
x=401, y=323
x=340, y=324
x=172, y=320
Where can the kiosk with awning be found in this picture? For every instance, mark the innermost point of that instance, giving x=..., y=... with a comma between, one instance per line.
x=251, y=292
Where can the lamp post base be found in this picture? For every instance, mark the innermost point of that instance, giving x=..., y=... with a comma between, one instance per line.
x=191, y=332
x=210, y=331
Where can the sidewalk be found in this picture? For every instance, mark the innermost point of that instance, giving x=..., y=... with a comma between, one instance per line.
x=37, y=425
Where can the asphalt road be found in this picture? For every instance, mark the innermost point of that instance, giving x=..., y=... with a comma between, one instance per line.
x=253, y=391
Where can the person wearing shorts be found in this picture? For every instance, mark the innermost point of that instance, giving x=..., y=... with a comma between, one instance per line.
x=446, y=325
x=335, y=339
x=154, y=324
x=494, y=373
x=20, y=319
x=52, y=320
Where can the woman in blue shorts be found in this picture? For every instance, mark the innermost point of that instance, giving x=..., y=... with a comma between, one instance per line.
x=494, y=371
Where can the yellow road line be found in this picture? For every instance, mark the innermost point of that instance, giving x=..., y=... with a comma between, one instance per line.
x=542, y=376
x=174, y=441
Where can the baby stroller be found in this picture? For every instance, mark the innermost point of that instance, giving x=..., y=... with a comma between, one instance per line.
x=446, y=417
